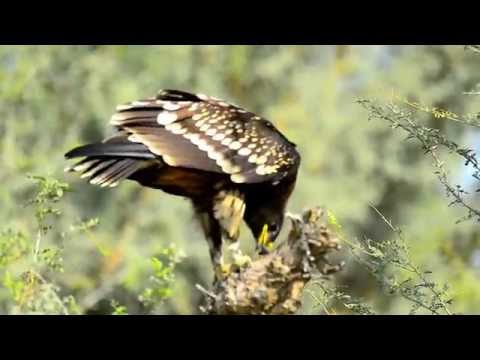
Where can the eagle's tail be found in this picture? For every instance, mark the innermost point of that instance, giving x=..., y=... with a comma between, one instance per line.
x=111, y=161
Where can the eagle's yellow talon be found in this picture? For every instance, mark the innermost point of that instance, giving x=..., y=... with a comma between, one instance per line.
x=222, y=271
x=226, y=269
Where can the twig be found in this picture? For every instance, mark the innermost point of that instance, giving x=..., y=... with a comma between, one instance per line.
x=36, y=250
x=409, y=266
x=206, y=292
x=442, y=177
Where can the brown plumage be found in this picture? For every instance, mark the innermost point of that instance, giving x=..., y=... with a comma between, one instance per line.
x=232, y=164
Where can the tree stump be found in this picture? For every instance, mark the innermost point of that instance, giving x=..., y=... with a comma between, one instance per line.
x=274, y=283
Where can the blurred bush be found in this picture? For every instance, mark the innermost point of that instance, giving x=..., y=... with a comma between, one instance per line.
x=53, y=98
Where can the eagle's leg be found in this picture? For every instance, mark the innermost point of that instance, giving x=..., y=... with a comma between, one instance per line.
x=214, y=239
x=213, y=233
x=228, y=210
x=220, y=269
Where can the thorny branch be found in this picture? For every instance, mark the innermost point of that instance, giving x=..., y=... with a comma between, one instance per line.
x=430, y=140
x=455, y=192
x=273, y=284
x=34, y=279
x=409, y=266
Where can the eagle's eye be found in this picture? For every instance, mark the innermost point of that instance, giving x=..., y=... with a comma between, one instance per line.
x=273, y=227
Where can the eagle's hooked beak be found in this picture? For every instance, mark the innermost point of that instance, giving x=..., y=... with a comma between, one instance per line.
x=263, y=239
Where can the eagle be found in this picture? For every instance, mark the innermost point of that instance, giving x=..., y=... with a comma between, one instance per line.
x=232, y=164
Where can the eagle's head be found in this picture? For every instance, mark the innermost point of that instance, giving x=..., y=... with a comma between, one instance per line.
x=265, y=211
x=265, y=223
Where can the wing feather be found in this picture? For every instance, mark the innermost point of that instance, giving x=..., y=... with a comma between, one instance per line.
x=201, y=132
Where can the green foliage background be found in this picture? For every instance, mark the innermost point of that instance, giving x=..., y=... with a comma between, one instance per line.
x=53, y=98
